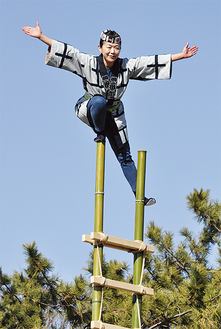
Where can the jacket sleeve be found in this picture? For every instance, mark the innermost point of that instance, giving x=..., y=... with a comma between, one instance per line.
x=64, y=56
x=150, y=67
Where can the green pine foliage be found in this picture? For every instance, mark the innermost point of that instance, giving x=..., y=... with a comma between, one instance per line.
x=187, y=287
x=37, y=299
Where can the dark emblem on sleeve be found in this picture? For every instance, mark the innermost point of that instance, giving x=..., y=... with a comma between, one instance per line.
x=63, y=56
x=156, y=65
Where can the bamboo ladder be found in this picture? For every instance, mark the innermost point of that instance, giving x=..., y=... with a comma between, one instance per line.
x=99, y=240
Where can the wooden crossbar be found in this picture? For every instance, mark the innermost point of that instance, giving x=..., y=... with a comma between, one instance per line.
x=102, y=325
x=137, y=289
x=117, y=243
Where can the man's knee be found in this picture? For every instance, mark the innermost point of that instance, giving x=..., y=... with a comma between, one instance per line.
x=98, y=101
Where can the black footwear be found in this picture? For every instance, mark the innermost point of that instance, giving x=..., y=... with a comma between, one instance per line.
x=99, y=138
x=149, y=202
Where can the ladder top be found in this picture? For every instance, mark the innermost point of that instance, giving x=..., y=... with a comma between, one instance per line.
x=117, y=243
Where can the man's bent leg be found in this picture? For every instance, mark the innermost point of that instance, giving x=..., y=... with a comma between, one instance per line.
x=97, y=113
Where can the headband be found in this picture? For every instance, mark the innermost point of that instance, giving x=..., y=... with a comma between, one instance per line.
x=105, y=37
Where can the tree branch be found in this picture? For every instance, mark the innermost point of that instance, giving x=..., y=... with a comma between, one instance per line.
x=215, y=227
x=211, y=222
x=169, y=319
x=215, y=297
x=153, y=276
x=11, y=292
x=177, y=261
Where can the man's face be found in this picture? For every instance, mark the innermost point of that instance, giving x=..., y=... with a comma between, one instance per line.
x=110, y=52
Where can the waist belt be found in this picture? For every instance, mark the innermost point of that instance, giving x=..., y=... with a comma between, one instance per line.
x=109, y=108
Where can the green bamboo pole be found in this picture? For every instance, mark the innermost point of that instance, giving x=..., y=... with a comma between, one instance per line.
x=139, y=228
x=98, y=227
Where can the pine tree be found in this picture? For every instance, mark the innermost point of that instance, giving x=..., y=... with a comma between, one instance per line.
x=37, y=299
x=187, y=288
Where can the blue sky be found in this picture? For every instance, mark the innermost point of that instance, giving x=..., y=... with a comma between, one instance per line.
x=48, y=156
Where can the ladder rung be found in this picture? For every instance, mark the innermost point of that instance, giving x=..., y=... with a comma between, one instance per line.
x=137, y=289
x=102, y=325
x=117, y=243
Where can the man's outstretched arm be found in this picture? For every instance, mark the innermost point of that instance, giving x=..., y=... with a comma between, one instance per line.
x=186, y=53
x=36, y=33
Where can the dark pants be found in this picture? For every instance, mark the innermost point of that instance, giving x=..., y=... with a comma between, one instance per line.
x=98, y=117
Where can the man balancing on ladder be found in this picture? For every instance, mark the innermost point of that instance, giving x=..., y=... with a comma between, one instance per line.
x=105, y=79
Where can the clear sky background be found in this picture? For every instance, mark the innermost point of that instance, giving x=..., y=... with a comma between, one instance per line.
x=48, y=155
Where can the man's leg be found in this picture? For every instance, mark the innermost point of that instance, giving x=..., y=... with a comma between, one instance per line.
x=96, y=111
x=126, y=162
x=128, y=167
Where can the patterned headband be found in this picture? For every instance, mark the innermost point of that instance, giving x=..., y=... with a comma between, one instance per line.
x=105, y=37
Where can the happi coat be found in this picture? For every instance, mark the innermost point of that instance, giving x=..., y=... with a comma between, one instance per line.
x=64, y=56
